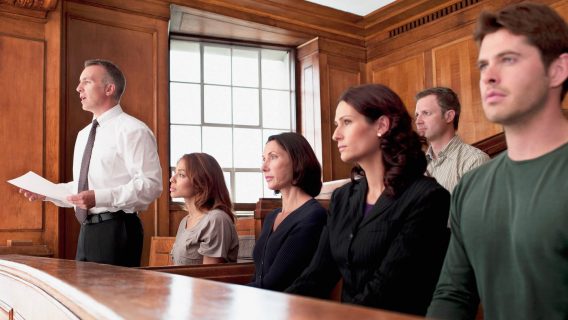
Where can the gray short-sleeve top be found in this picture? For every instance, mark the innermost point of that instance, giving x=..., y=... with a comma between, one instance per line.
x=214, y=236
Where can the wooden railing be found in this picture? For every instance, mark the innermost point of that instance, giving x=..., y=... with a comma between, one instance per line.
x=236, y=273
x=492, y=145
x=45, y=288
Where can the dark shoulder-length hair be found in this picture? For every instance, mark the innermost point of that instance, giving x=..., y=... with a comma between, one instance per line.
x=402, y=154
x=306, y=169
x=209, y=190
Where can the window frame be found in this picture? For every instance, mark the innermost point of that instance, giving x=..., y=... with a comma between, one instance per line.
x=292, y=91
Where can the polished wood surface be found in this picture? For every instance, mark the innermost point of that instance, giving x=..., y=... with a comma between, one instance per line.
x=73, y=289
x=38, y=250
x=236, y=273
x=493, y=145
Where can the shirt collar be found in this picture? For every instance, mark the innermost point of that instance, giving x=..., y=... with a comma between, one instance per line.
x=448, y=148
x=109, y=114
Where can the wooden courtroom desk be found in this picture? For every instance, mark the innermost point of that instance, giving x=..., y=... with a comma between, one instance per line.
x=45, y=288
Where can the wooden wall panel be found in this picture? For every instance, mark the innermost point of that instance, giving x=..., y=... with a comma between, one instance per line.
x=310, y=102
x=29, y=126
x=309, y=110
x=455, y=67
x=139, y=45
x=22, y=64
x=340, y=74
x=405, y=77
x=326, y=68
x=562, y=8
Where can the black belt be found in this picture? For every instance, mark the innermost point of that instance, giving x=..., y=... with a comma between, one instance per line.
x=104, y=216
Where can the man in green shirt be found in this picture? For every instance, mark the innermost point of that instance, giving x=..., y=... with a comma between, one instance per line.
x=509, y=217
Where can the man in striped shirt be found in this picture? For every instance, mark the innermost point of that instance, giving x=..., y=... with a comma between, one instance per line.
x=437, y=118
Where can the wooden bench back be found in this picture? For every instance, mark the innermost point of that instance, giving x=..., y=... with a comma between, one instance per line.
x=237, y=273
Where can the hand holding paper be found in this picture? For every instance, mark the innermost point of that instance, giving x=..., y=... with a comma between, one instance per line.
x=35, y=183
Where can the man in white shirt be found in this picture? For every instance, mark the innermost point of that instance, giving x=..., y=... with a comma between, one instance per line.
x=124, y=173
x=437, y=119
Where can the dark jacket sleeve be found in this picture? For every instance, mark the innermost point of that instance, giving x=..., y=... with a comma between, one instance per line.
x=413, y=261
x=295, y=253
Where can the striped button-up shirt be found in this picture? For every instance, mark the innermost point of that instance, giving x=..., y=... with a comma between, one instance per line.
x=455, y=159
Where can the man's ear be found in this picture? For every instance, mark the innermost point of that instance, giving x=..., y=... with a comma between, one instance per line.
x=449, y=116
x=558, y=70
x=110, y=88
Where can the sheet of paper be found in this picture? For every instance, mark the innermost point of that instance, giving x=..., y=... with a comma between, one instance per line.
x=37, y=184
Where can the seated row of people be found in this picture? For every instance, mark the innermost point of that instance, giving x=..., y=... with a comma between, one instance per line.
x=385, y=234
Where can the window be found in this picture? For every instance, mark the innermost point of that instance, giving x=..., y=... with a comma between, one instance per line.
x=226, y=100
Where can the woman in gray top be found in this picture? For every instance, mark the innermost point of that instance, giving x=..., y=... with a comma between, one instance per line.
x=207, y=234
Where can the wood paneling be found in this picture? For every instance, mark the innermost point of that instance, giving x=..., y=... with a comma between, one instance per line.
x=139, y=45
x=455, y=67
x=326, y=69
x=309, y=91
x=339, y=79
x=29, y=126
x=562, y=8
x=23, y=114
x=406, y=77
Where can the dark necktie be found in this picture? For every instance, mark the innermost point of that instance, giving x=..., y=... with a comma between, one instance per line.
x=81, y=214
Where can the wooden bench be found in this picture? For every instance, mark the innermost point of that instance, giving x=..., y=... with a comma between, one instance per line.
x=160, y=248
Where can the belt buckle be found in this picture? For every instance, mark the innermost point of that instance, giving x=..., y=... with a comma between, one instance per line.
x=96, y=218
x=93, y=219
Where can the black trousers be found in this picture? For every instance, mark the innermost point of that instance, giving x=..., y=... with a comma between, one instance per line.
x=117, y=241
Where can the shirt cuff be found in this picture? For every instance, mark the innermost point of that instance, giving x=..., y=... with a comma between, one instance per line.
x=103, y=198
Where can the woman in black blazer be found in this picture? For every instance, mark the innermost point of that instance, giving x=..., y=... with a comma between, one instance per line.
x=386, y=233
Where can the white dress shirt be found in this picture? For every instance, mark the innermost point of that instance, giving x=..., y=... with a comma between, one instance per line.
x=125, y=170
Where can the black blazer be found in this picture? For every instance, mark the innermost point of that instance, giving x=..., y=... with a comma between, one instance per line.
x=390, y=259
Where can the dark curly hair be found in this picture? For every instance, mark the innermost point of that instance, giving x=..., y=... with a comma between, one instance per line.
x=403, y=158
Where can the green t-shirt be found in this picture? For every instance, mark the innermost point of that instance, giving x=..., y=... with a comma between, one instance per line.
x=509, y=244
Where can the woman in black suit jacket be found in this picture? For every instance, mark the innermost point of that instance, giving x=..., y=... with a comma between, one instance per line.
x=386, y=234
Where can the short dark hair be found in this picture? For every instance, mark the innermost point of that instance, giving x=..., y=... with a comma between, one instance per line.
x=115, y=76
x=447, y=100
x=403, y=158
x=543, y=27
x=306, y=169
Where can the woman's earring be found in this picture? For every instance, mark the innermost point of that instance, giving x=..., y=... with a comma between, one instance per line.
x=379, y=134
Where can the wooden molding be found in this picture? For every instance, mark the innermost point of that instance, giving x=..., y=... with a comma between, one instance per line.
x=492, y=145
x=42, y=5
x=34, y=10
